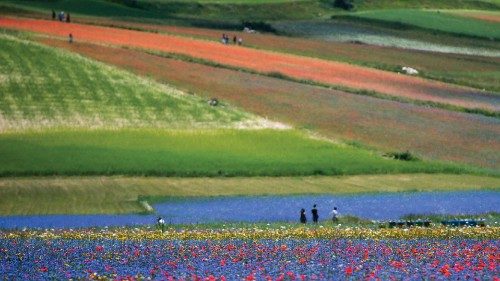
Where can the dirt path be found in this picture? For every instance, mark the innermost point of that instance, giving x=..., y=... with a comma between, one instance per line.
x=265, y=61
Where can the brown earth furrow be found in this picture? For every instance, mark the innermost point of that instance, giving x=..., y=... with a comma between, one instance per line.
x=265, y=61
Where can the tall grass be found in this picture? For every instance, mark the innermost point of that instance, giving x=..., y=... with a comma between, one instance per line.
x=44, y=87
x=192, y=153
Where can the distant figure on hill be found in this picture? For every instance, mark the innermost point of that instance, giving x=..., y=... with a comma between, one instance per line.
x=335, y=214
x=240, y=41
x=53, y=15
x=314, y=213
x=225, y=38
x=303, y=218
x=61, y=16
x=234, y=40
x=67, y=18
x=161, y=224
x=70, y=38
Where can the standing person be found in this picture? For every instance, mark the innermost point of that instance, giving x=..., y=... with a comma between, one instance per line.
x=240, y=41
x=161, y=224
x=234, y=40
x=335, y=214
x=53, y=15
x=303, y=218
x=70, y=38
x=67, y=18
x=315, y=215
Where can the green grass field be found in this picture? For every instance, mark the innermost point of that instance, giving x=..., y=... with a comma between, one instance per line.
x=101, y=195
x=427, y=4
x=44, y=87
x=434, y=20
x=193, y=153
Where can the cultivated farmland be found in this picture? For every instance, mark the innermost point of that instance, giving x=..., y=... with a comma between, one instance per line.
x=426, y=131
x=42, y=87
x=143, y=140
x=436, y=20
x=262, y=61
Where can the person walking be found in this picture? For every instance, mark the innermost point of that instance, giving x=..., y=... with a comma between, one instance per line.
x=161, y=224
x=53, y=15
x=334, y=214
x=303, y=218
x=315, y=215
x=68, y=18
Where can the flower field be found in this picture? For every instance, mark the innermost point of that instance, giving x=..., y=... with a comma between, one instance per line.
x=300, y=254
x=272, y=209
x=430, y=132
x=264, y=61
x=338, y=31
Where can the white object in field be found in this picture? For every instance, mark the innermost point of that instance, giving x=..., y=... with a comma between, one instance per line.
x=410, y=70
x=248, y=30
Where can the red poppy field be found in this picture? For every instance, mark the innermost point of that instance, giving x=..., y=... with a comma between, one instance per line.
x=265, y=61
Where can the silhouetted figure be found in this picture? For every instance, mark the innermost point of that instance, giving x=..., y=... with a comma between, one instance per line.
x=67, y=18
x=234, y=40
x=53, y=15
x=70, y=38
x=314, y=212
x=303, y=218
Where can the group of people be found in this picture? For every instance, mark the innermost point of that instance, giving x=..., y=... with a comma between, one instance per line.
x=236, y=40
x=61, y=16
x=334, y=214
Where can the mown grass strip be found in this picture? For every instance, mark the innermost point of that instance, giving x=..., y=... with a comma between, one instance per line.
x=114, y=195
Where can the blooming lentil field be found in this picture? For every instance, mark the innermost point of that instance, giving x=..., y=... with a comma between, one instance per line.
x=263, y=209
x=470, y=70
x=251, y=254
x=430, y=132
x=264, y=61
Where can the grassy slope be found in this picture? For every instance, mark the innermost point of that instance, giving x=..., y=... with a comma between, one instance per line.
x=88, y=195
x=185, y=12
x=227, y=12
x=43, y=87
x=192, y=153
x=435, y=20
